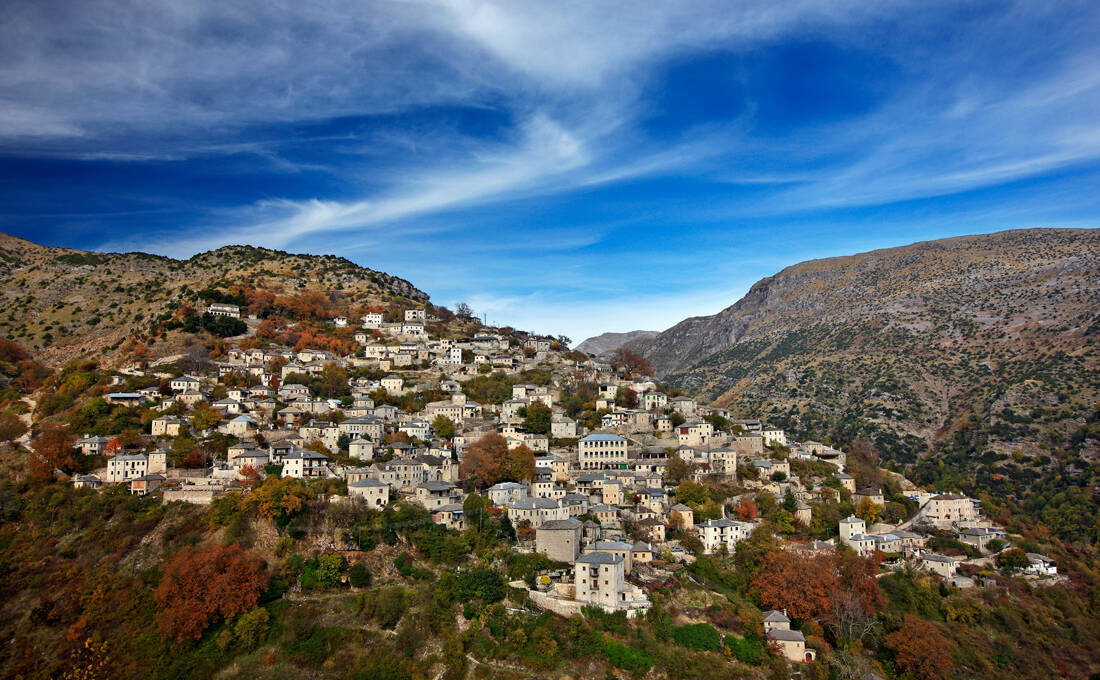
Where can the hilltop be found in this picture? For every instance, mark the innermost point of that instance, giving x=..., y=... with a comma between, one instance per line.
x=608, y=342
x=62, y=303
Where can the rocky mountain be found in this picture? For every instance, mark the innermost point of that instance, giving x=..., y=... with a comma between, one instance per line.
x=985, y=343
x=609, y=342
x=62, y=303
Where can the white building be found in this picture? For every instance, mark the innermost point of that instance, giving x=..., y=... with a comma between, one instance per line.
x=601, y=450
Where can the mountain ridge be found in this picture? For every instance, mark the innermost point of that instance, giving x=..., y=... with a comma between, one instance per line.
x=63, y=303
x=981, y=346
x=605, y=343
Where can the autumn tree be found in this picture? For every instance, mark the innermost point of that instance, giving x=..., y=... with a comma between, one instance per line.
x=483, y=462
x=519, y=465
x=921, y=650
x=868, y=510
x=11, y=427
x=630, y=363
x=202, y=586
x=333, y=381
x=627, y=398
x=52, y=450
x=801, y=584
x=746, y=510
x=278, y=499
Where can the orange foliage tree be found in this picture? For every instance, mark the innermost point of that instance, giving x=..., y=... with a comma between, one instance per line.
x=746, y=510
x=801, y=584
x=52, y=450
x=519, y=464
x=921, y=649
x=483, y=463
x=201, y=586
x=839, y=589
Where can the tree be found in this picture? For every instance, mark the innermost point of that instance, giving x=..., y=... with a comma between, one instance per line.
x=790, y=503
x=692, y=493
x=746, y=510
x=11, y=427
x=52, y=450
x=921, y=649
x=205, y=416
x=538, y=418
x=333, y=381
x=1012, y=559
x=868, y=511
x=443, y=426
x=630, y=363
x=278, y=499
x=201, y=586
x=519, y=465
x=627, y=398
x=801, y=584
x=483, y=462
x=678, y=470
x=463, y=311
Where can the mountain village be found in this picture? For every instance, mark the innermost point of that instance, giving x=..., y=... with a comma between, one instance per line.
x=649, y=478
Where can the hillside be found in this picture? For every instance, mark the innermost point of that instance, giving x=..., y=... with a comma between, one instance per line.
x=977, y=346
x=62, y=303
x=609, y=342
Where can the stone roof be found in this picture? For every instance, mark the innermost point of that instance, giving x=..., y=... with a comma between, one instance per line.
x=560, y=525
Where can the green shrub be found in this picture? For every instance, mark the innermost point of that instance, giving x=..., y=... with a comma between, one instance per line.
x=751, y=650
x=359, y=575
x=251, y=629
x=699, y=636
x=626, y=657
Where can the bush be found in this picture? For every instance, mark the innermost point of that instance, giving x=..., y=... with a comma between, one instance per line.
x=751, y=650
x=359, y=575
x=702, y=637
x=251, y=628
x=626, y=657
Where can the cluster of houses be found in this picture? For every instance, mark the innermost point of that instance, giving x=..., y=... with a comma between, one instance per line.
x=599, y=502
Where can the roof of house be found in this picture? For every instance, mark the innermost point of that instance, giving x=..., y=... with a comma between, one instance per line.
x=933, y=557
x=786, y=635
x=599, y=558
x=570, y=524
x=773, y=616
x=603, y=437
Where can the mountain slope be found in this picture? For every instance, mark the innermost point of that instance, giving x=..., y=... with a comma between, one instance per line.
x=978, y=346
x=609, y=342
x=62, y=303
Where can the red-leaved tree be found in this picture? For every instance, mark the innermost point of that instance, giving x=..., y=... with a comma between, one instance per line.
x=52, y=450
x=922, y=651
x=801, y=584
x=201, y=586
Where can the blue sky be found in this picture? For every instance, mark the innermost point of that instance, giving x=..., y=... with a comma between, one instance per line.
x=566, y=167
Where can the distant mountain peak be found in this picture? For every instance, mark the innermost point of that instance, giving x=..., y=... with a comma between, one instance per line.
x=609, y=342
